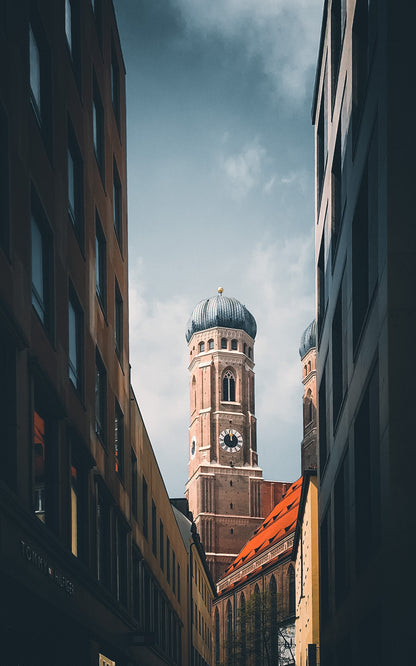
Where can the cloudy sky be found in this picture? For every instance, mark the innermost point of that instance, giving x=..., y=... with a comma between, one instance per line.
x=220, y=193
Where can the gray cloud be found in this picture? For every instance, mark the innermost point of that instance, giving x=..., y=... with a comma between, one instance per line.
x=283, y=34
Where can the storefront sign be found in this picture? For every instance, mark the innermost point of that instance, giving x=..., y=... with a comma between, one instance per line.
x=43, y=565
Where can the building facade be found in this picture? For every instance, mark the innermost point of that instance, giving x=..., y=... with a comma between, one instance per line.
x=202, y=592
x=225, y=490
x=254, y=613
x=92, y=565
x=365, y=261
x=306, y=557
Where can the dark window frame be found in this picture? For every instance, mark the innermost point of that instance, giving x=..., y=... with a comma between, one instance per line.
x=117, y=206
x=42, y=302
x=75, y=366
x=100, y=399
x=118, y=440
x=98, y=127
x=100, y=264
x=75, y=185
x=118, y=322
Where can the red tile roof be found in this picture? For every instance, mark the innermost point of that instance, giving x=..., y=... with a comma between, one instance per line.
x=280, y=522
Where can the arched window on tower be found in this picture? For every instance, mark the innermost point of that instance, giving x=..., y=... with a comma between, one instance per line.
x=223, y=343
x=229, y=633
x=308, y=408
x=194, y=392
x=234, y=345
x=245, y=348
x=228, y=387
x=250, y=353
x=210, y=344
x=202, y=346
x=292, y=590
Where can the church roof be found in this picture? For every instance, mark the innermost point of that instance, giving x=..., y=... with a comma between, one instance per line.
x=308, y=339
x=280, y=522
x=221, y=310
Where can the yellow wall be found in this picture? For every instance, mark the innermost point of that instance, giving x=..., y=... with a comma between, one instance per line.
x=307, y=578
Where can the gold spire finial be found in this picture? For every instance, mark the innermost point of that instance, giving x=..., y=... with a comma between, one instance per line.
x=220, y=290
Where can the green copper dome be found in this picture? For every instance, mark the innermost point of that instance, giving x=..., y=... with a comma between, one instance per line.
x=222, y=311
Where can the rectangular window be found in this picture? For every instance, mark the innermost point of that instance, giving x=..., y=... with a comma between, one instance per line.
x=168, y=559
x=161, y=545
x=40, y=78
x=75, y=347
x=322, y=297
x=75, y=185
x=322, y=135
x=98, y=127
x=102, y=537
x=336, y=195
x=75, y=532
x=342, y=530
x=145, y=507
x=173, y=572
x=339, y=347
x=118, y=440
x=120, y=564
x=35, y=73
x=118, y=322
x=117, y=216
x=115, y=85
x=100, y=399
x=365, y=243
x=154, y=530
x=41, y=267
x=133, y=484
x=323, y=434
x=338, y=21
x=72, y=34
x=367, y=472
x=4, y=183
x=179, y=582
x=68, y=24
x=100, y=264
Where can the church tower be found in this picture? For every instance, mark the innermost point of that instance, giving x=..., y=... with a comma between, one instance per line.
x=307, y=353
x=224, y=488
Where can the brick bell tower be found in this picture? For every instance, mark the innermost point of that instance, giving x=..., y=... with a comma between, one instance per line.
x=224, y=488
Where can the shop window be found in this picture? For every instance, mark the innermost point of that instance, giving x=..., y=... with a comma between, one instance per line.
x=100, y=264
x=100, y=400
x=120, y=564
x=39, y=464
x=102, y=536
x=118, y=440
x=228, y=387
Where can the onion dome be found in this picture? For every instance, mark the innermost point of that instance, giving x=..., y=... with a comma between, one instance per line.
x=308, y=339
x=222, y=311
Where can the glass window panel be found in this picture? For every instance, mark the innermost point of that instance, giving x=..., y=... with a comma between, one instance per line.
x=39, y=463
x=72, y=343
x=68, y=24
x=38, y=300
x=34, y=65
x=71, y=184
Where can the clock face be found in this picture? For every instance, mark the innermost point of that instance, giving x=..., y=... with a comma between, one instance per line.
x=231, y=440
